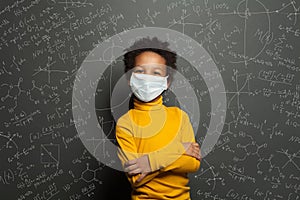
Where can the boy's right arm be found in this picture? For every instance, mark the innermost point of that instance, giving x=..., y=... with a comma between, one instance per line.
x=128, y=151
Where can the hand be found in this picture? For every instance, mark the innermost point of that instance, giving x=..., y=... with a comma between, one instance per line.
x=192, y=149
x=137, y=166
x=142, y=176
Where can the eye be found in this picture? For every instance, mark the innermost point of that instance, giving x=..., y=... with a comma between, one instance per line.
x=138, y=71
x=157, y=73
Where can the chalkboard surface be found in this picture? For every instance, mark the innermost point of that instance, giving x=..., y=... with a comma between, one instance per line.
x=254, y=46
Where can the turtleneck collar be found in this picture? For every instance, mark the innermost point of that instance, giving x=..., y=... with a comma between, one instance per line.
x=156, y=104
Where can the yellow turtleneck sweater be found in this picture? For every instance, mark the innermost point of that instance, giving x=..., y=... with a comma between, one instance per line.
x=158, y=131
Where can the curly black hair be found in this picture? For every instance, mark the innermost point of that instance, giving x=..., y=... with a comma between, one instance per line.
x=153, y=45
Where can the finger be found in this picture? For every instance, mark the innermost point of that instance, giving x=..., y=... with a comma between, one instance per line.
x=131, y=162
x=197, y=155
x=130, y=168
x=196, y=149
x=141, y=178
x=134, y=172
x=200, y=158
x=196, y=144
x=187, y=144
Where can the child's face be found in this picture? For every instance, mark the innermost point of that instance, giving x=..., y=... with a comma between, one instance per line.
x=150, y=63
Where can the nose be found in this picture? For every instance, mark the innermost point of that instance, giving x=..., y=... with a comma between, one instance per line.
x=148, y=70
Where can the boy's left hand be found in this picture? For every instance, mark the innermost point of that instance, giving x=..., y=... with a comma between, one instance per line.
x=192, y=149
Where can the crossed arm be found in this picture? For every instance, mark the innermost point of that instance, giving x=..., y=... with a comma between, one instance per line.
x=183, y=156
x=184, y=164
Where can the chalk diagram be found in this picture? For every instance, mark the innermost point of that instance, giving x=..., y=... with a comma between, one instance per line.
x=50, y=154
x=89, y=175
x=8, y=145
x=100, y=142
x=252, y=12
x=10, y=93
x=8, y=140
x=209, y=175
x=107, y=126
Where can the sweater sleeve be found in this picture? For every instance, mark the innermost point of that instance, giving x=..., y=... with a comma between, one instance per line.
x=128, y=151
x=166, y=155
x=185, y=163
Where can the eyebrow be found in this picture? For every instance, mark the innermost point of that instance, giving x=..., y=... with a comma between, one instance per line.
x=154, y=67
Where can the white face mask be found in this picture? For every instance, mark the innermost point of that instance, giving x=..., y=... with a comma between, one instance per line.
x=147, y=87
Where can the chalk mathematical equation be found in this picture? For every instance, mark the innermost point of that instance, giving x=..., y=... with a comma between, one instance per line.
x=254, y=44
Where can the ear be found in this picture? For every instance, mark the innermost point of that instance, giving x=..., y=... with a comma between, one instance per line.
x=168, y=84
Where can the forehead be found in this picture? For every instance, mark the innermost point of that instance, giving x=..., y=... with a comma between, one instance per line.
x=149, y=58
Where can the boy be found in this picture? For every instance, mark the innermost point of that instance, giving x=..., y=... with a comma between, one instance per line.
x=157, y=143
